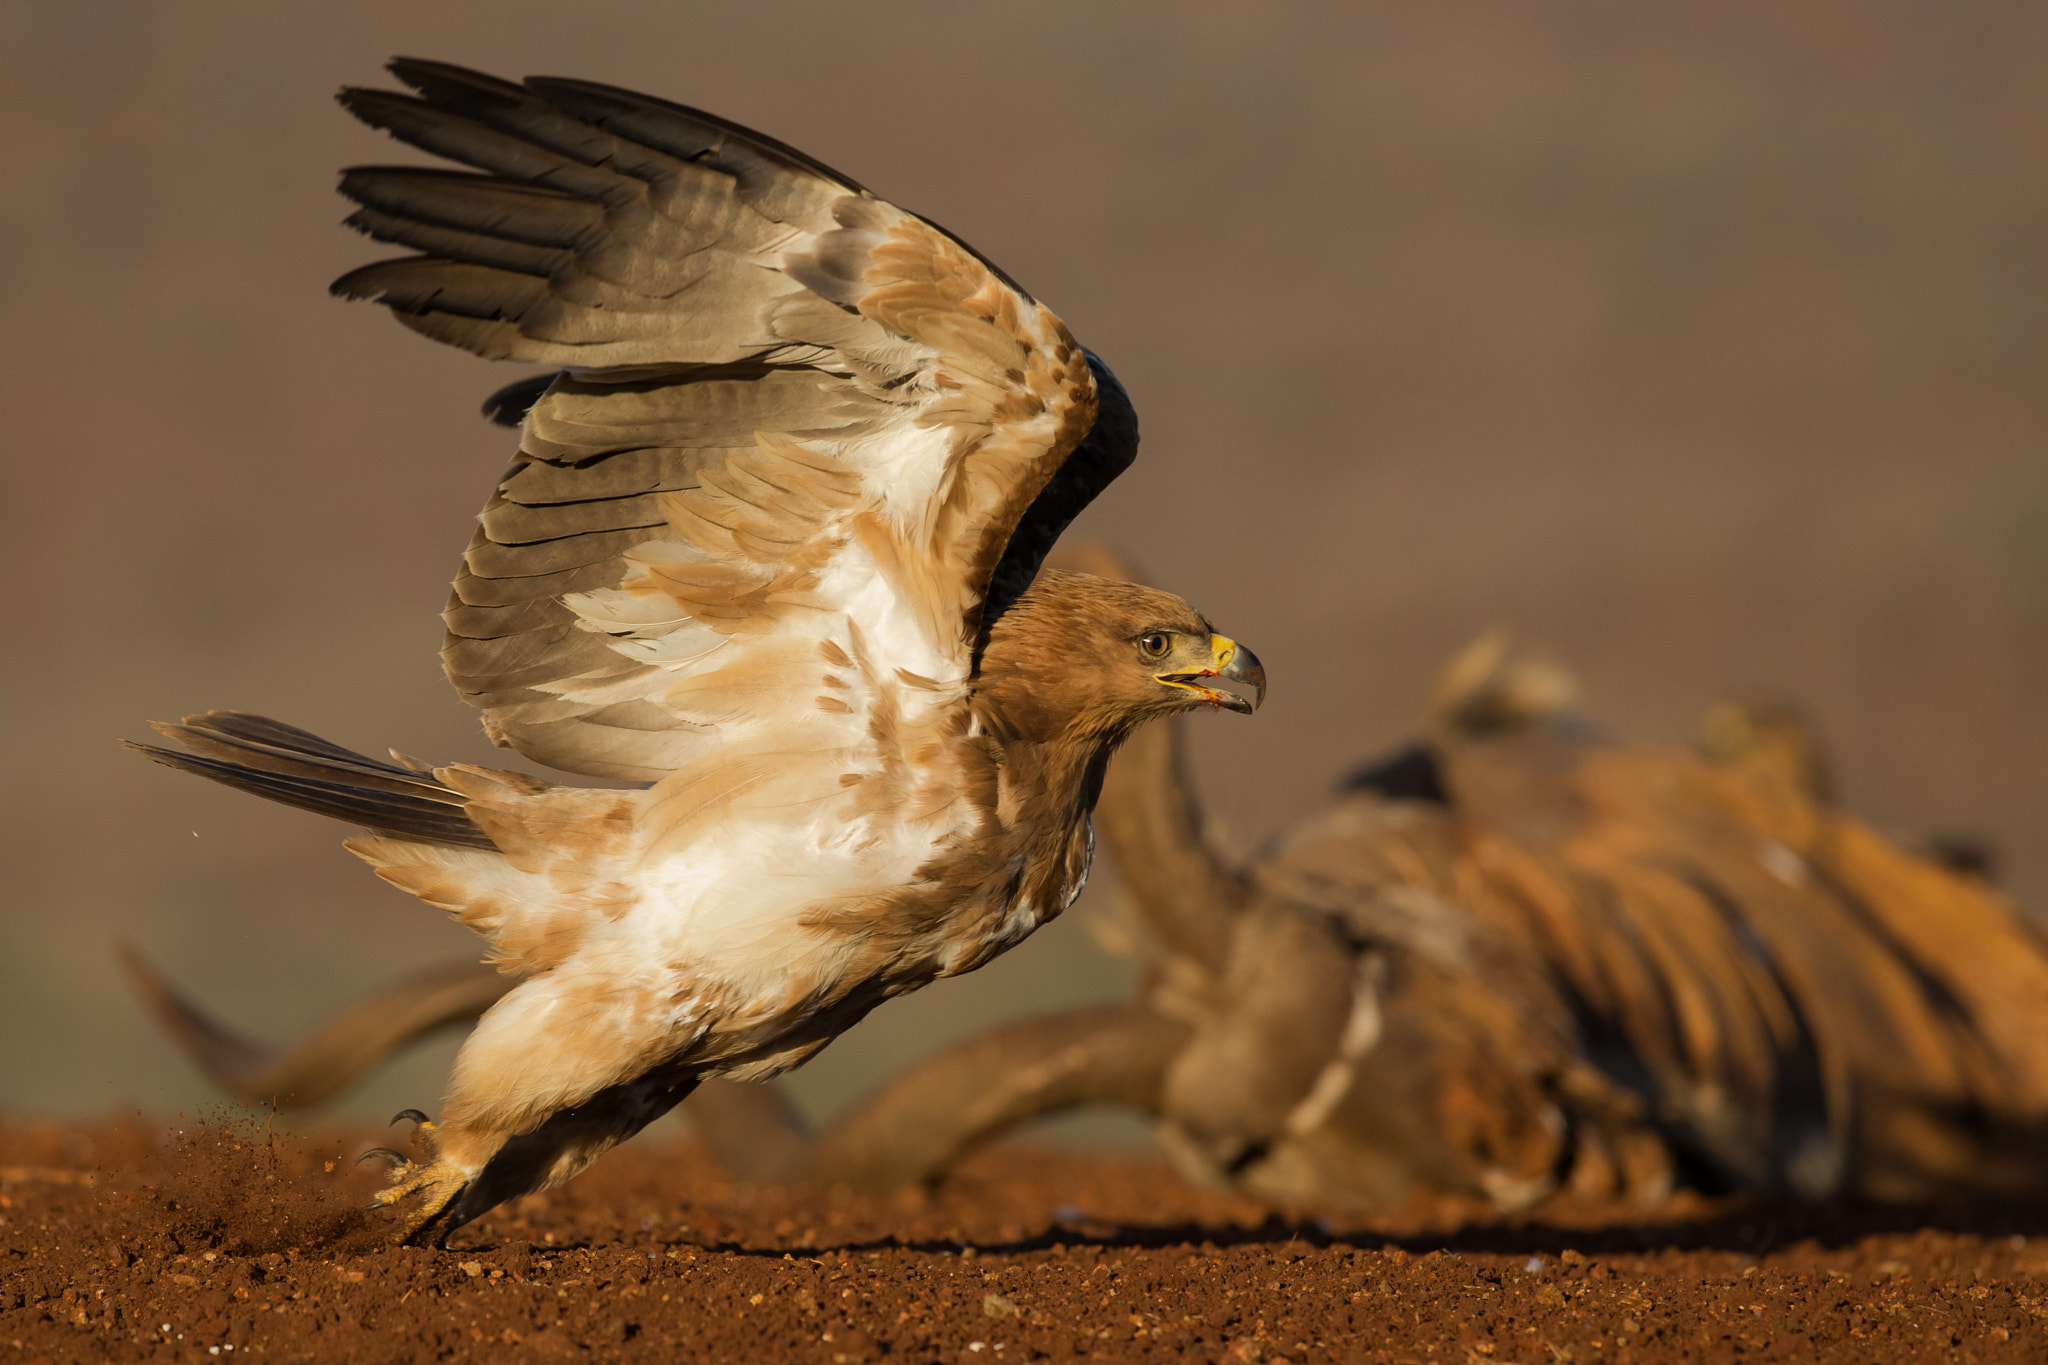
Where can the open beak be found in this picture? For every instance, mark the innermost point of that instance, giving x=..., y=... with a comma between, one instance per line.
x=1228, y=659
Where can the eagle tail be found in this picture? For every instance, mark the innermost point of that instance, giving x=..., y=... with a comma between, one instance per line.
x=286, y=764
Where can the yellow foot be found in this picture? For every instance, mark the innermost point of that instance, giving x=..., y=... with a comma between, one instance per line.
x=425, y=1192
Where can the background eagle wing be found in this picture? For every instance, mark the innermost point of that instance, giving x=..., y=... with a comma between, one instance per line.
x=786, y=408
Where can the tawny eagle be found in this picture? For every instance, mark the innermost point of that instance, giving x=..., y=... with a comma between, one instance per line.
x=772, y=545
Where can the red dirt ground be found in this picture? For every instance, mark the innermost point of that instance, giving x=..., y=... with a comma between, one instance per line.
x=131, y=1242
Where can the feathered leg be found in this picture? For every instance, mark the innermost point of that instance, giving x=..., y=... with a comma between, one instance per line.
x=428, y=1190
x=469, y=1171
x=529, y=1107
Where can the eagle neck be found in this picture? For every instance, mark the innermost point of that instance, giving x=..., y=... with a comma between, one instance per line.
x=1051, y=788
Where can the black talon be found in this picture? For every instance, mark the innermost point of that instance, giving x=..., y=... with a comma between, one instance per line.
x=415, y=1115
x=396, y=1158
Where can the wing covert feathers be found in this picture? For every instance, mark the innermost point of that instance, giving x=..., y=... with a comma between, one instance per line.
x=783, y=407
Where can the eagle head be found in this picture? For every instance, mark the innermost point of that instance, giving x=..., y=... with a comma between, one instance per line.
x=1078, y=656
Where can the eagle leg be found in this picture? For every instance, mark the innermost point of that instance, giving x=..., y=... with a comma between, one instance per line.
x=428, y=1190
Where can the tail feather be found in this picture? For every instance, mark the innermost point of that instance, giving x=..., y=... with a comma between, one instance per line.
x=286, y=764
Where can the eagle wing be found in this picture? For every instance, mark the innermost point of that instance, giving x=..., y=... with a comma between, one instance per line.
x=789, y=417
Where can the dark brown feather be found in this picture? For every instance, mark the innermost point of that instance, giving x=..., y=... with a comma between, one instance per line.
x=486, y=205
x=1109, y=448
x=285, y=764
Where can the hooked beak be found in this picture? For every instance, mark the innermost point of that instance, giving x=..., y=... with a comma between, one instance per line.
x=1228, y=659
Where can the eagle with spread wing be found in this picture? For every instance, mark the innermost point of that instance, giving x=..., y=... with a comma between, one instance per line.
x=773, y=547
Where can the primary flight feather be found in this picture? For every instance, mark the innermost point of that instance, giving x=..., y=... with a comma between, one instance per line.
x=772, y=545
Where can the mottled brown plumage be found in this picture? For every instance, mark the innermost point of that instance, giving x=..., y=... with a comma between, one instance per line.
x=772, y=546
x=1607, y=965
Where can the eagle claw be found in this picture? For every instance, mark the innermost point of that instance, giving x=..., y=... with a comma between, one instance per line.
x=424, y=1133
x=427, y=1188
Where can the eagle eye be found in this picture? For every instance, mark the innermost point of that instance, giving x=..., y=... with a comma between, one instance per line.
x=1155, y=644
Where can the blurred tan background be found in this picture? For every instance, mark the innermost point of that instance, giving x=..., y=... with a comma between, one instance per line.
x=1704, y=345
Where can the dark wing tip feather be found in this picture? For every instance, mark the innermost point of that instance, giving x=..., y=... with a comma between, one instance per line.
x=508, y=406
x=362, y=283
x=428, y=76
x=554, y=106
x=435, y=284
x=472, y=94
x=1108, y=449
x=597, y=103
x=378, y=108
